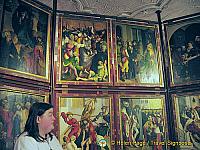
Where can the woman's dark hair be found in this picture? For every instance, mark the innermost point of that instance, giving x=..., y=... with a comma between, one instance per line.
x=31, y=127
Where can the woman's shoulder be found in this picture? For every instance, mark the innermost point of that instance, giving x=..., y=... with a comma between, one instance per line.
x=55, y=143
x=25, y=137
x=53, y=136
x=25, y=142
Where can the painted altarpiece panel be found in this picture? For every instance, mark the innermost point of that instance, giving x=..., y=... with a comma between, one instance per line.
x=85, y=122
x=137, y=55
x=142, y=122
x=84, y=51
x=184, y=50
x=24, y=50
x=186, y=113
x=14, y=108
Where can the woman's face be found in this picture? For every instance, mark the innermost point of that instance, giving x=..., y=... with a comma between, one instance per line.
x=46, y=122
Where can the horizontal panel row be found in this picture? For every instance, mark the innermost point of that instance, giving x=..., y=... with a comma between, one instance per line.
x=113, y=120
x=95, y=51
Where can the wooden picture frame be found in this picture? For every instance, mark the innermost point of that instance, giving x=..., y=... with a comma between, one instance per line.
x=25, y=41
x=85, y=121
x=84, y=51
x=142, y=122
x=183, y=43
x=14, y=107
x=137, y=55
x=186, y=114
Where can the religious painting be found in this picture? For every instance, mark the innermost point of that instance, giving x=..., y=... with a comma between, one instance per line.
x=14, y=108
x=85, y=122
x=84, y=53
x=187, y=112
x=137, y=55
x=24, y=45
x=184, y=49
x=143, y=123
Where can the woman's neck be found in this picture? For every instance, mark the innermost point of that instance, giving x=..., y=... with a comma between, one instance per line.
x=42, y=134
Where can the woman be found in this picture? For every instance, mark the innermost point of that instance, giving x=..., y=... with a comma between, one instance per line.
x=37, y=133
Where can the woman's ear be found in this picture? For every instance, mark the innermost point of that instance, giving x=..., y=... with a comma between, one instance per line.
x=38, y=119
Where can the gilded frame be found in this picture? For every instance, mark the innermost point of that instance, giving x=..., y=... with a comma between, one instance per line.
x=135, y=66
x=87, y=41
x=186, y=114
x=143, y=109
x=183, y=60
x=26, y=37
x=14, y=106
x=102, y=127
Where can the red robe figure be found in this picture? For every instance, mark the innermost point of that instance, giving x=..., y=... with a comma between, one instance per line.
x=7, y=118
x=74, y=124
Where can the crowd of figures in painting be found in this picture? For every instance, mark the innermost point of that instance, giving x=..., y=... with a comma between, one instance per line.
x=143, y=123
x=14, y=108
x=84, y=51
x=24, y=38
x=185, y=53
x=137, y=54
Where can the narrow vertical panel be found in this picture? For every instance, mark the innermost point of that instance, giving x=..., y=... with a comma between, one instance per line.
x=186, y=112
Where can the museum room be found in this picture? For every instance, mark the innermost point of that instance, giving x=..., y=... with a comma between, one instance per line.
x=99, y=74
